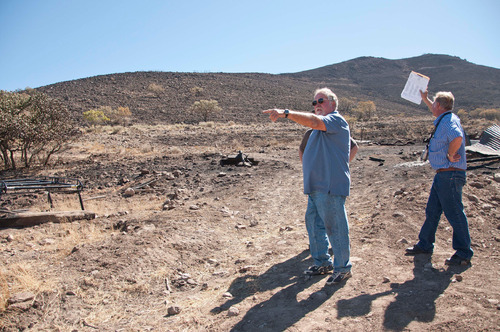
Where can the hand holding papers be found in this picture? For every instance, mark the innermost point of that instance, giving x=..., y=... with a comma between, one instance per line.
x=416, y=83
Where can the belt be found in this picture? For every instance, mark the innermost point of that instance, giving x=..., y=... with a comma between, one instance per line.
x=449, y=169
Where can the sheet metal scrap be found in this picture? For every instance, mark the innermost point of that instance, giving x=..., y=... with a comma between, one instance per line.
x=489, y=143
x=240, y=159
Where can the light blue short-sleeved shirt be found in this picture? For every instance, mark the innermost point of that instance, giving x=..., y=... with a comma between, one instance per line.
x=448, y=129
x=326, y=158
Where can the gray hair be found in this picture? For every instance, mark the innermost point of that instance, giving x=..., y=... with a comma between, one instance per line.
x=329, y=93
x=445, y=99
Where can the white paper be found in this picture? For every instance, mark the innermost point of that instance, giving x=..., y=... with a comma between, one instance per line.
x=415, y=83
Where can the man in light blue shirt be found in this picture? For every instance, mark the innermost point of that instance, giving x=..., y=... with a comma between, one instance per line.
x=327, y=181
x=447, y=157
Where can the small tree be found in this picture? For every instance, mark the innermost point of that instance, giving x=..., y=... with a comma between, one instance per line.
x=33, y=125
x=206, y=108
x=365, y=110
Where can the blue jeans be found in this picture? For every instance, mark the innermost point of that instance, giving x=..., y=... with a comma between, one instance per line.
x=446, y=196
x=326, y=220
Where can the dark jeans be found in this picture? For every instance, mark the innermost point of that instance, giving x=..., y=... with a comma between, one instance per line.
x=446, y=196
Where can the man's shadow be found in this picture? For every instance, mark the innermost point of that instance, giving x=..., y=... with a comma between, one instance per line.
x=283, y=309
x=415, y=299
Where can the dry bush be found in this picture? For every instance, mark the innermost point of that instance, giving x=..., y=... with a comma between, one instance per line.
x=197, y=91
x=157, y=89
x=4, y=291
x=206, y=108
x=209, y=124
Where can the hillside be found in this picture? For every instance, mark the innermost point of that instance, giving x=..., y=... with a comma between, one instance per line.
x=243, y=95
x=385, y=78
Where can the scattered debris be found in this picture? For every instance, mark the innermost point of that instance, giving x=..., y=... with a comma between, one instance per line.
x=381, y=161
x=489, y=143
x=240, y=159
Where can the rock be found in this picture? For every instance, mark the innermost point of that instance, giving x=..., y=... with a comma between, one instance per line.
x=194, y=207
x=212, y=261
x=386, y=280
x=233, y=311
x=185, y=276
x=459, y=278
x=174, y=310
x=221, y=174
x=404, y=241
x=129, y=192
x=472, y=198
x=319, y=296
x=496, y=177
x=477, y=185
x=21, y=297
x=227, y=295
x=246, y=268
x=23, y=306
x=399, y=192
x=10, y=238
x=487, y=207
x=398, y=215
x=191, y=282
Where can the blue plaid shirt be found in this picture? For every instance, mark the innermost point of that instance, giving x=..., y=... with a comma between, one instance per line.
x=448, y=129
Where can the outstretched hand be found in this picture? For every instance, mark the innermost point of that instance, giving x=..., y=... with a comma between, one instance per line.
x=274, y=114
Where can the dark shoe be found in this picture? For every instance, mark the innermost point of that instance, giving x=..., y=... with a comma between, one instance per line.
x=318, y=270
x=338, y=277
x=457, y=261
x=415, y=250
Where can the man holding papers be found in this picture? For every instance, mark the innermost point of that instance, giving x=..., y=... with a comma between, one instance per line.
x=447, y=157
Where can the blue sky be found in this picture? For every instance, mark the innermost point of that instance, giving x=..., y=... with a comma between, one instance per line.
x=48, y=41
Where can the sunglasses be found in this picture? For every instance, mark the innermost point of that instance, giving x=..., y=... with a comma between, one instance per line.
x=319, y=101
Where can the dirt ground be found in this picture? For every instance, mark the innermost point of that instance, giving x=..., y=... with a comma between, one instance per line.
x=204, y=247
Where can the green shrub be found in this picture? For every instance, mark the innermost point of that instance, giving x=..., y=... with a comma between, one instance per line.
x=95, y=117
x=107, y=114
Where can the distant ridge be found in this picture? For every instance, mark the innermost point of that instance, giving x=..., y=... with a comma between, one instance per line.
x=242, y=96
x=473, y=85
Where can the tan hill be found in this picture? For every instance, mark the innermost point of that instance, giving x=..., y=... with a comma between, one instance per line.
x=243, y=95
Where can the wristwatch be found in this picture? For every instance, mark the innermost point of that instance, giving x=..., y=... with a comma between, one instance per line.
x=286, y=113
